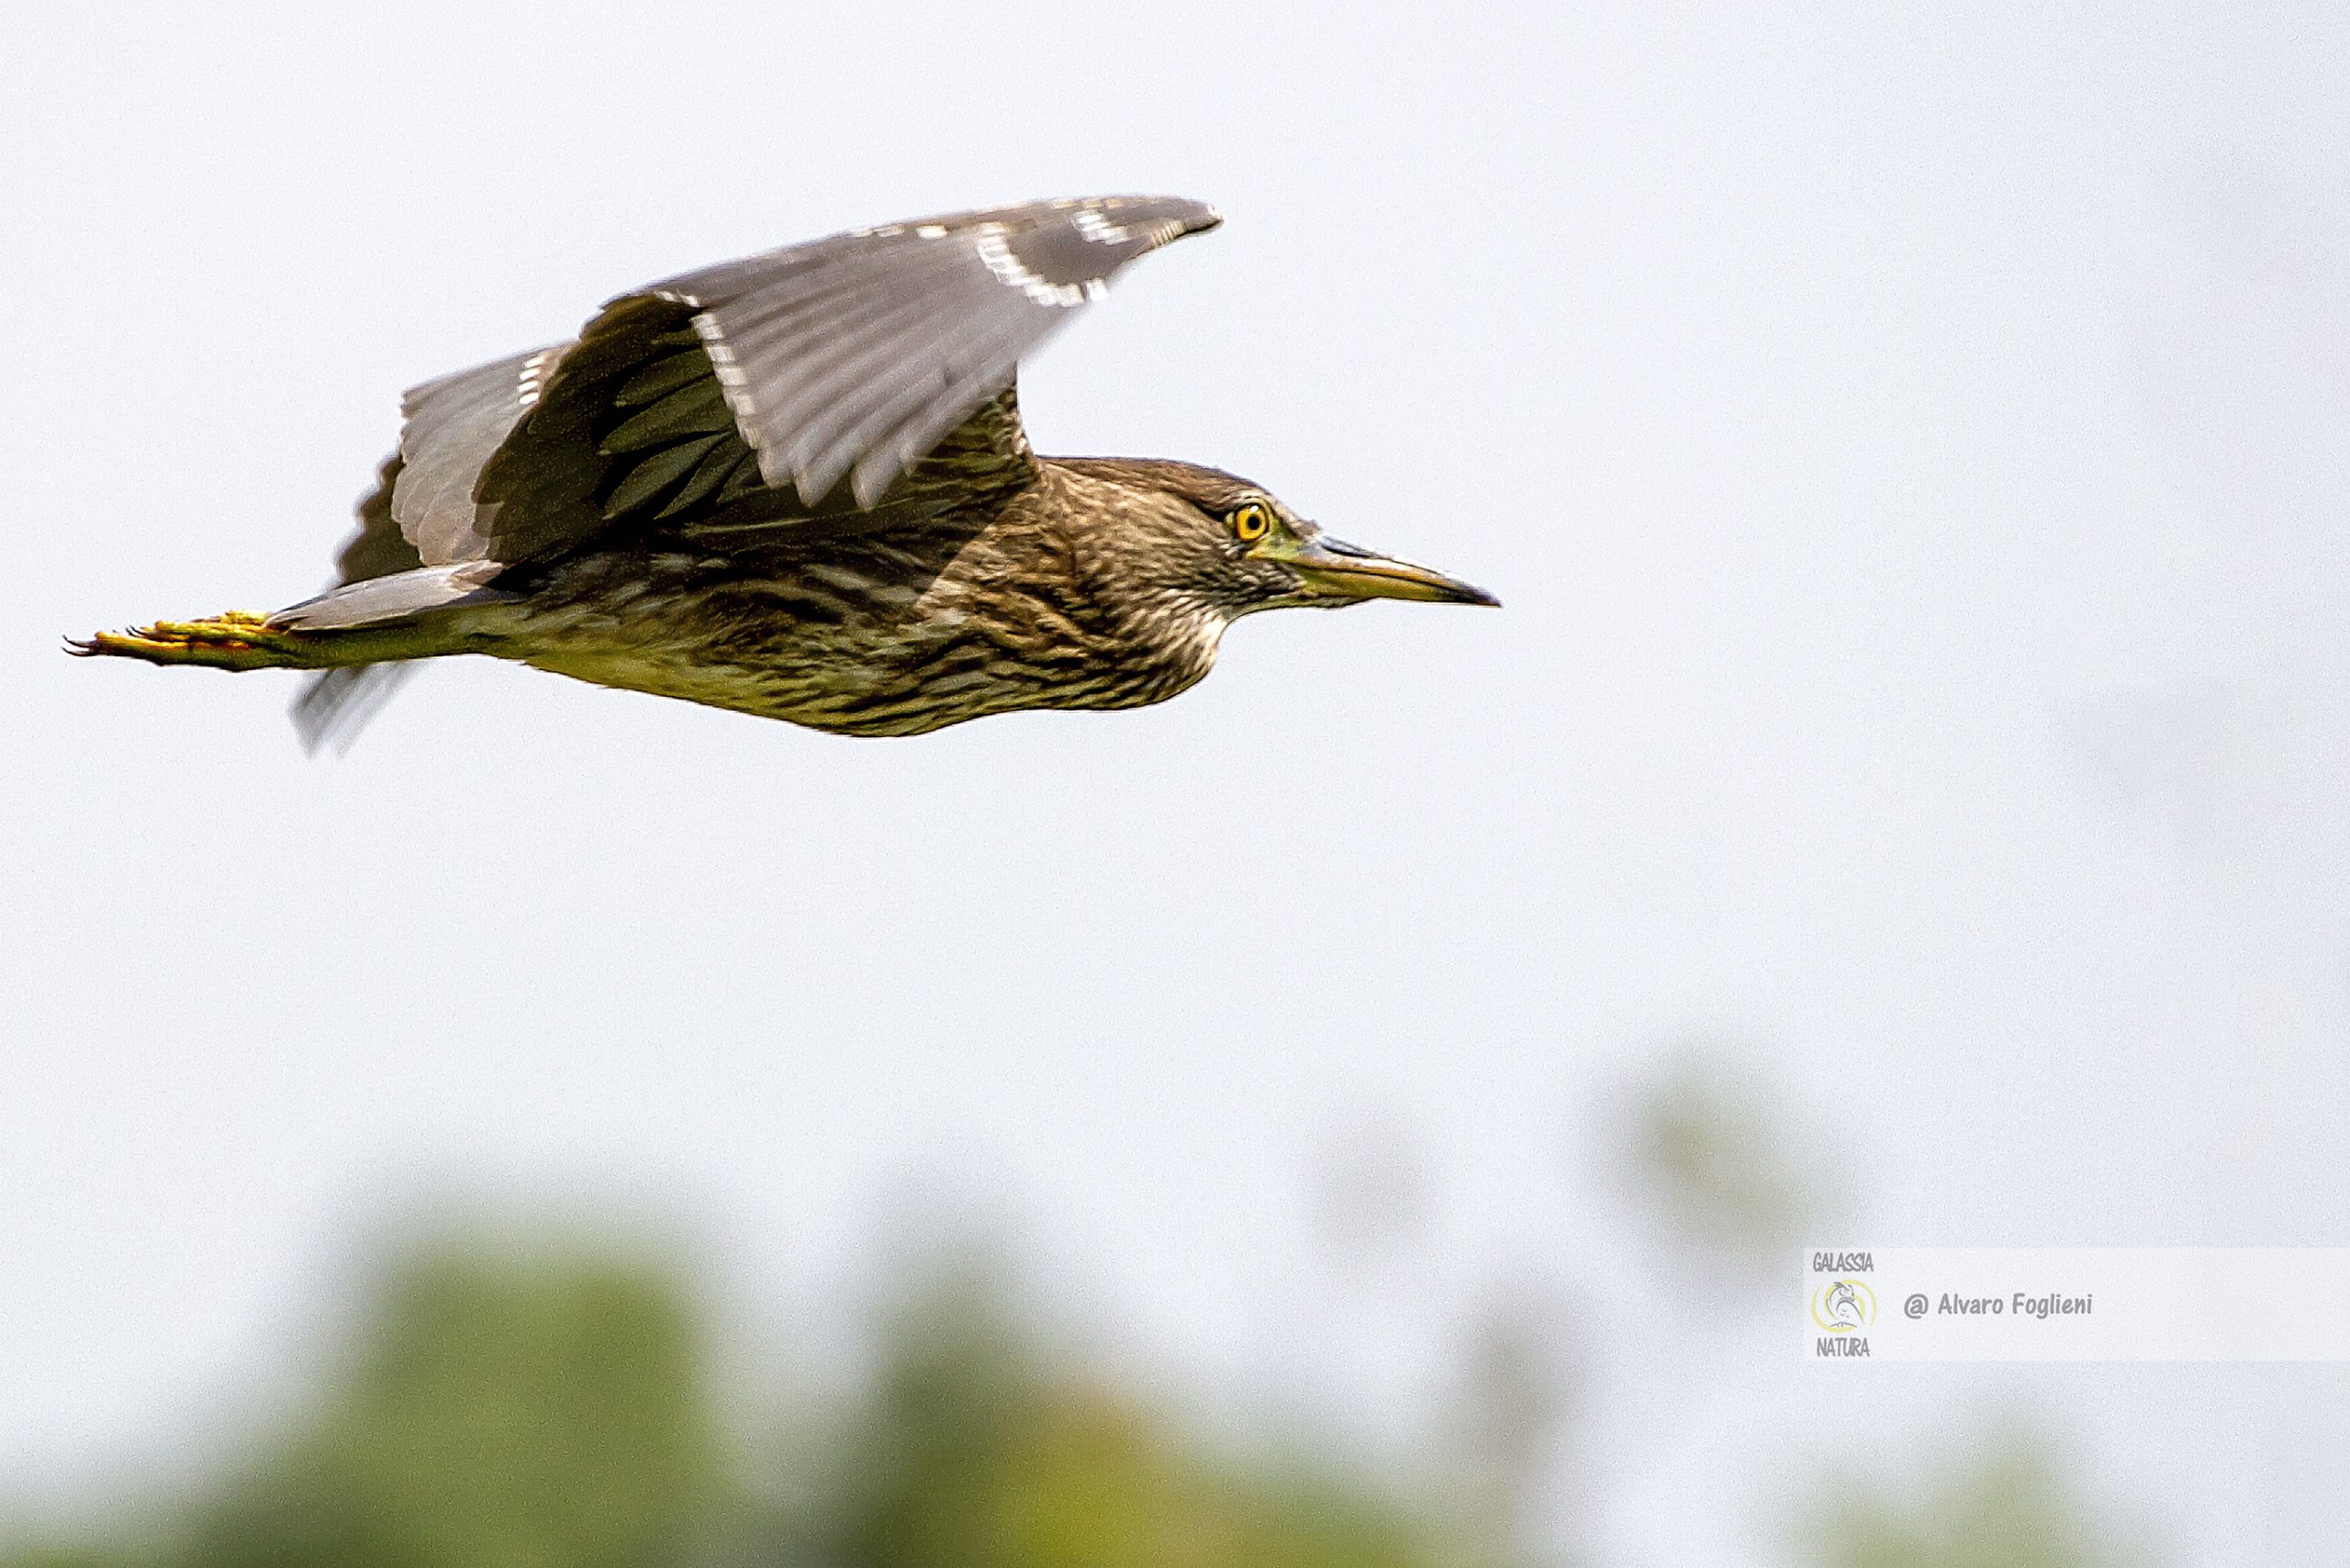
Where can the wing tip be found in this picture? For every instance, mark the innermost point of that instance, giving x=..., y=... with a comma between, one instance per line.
x=335, y=705
x=1183, y=214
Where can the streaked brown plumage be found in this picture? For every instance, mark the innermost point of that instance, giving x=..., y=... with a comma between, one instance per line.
x=659, y=505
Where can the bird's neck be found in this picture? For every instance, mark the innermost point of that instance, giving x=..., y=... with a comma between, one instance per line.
x=1140, y=622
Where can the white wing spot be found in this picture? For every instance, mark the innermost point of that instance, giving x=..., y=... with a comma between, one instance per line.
x=1012, y=272
x=933, y=230
x=532, y=382
x=1099, y=229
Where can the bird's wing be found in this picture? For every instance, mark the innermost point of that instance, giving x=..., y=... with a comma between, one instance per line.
x=451, y=429
x=626, y=426
x=852, y=356
x=762, y=383
x=379, y=548
x=631, y=426
x=335, y=704
x=421, y=513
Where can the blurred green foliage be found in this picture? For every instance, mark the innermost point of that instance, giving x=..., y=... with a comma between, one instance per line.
x=564, y=1409
x=560, y=1413
x=2002, y=1506
x=504, y=1415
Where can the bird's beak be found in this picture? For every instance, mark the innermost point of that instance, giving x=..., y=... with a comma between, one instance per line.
x=1332, y=567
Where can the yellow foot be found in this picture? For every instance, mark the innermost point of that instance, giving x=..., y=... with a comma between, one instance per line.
x=237, y=640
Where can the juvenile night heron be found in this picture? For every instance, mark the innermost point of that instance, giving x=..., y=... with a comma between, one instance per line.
x=797, y=485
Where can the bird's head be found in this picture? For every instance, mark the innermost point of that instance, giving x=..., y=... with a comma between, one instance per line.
x=1177, y=531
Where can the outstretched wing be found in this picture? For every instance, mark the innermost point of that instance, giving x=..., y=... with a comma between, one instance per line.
x=854, y=355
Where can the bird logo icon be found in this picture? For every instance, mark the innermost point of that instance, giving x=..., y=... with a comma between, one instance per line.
x=1843, y=1306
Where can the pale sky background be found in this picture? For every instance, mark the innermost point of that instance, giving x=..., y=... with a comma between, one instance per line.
x=1910, y=444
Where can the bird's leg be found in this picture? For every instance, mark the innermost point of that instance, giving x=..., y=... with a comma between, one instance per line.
x=240, y=639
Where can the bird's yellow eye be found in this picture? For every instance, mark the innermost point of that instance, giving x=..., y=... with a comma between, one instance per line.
x=1251, y=523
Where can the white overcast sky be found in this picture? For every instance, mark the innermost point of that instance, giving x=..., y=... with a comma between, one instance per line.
x=1910, y=444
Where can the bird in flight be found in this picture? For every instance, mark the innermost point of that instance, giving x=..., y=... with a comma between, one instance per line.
x=797, y=485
